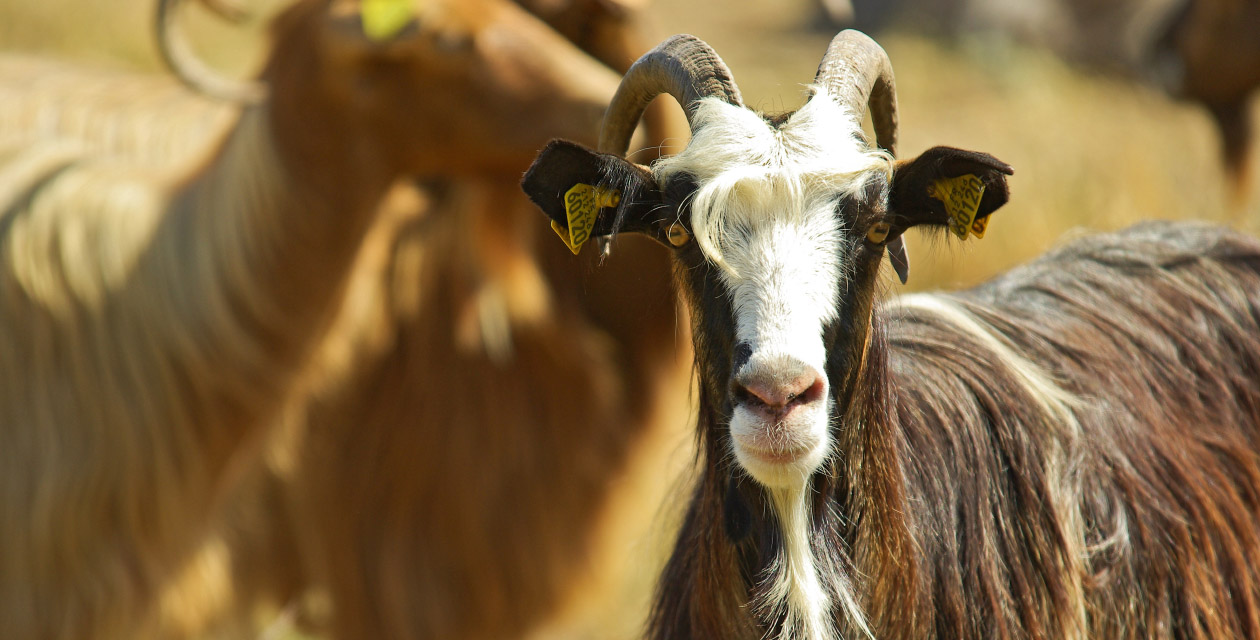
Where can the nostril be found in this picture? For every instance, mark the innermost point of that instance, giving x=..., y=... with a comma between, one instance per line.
x=760, y=394
x=812, y=391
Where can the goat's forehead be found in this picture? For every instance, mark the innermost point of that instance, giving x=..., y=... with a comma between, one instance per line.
x=817, y=152
x=821, y=132
x=745, y=172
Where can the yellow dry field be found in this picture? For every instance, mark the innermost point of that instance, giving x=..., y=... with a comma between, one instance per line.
x=1089, y=152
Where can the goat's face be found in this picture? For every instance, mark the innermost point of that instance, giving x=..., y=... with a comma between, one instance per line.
x=778, y=225
x=773, y=208
x=458, y=86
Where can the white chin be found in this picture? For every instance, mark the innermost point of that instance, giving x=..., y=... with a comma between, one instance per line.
x=785, y=459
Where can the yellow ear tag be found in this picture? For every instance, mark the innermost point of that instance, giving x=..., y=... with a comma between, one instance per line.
x=383, y=19
x=961, y=197
x=581, y=206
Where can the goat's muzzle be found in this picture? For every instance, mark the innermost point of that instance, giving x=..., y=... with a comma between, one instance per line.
x=779, y=418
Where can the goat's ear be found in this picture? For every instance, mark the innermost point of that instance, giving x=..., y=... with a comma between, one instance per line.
x=589, y=194
x=947, y=187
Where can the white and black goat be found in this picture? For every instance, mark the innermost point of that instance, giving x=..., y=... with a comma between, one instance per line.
x=1068, y=451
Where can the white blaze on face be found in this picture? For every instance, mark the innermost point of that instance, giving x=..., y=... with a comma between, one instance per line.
x=765, y=212
x=782, y=283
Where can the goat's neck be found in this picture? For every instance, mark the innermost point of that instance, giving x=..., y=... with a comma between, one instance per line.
x=266, y=250
x=864, y=482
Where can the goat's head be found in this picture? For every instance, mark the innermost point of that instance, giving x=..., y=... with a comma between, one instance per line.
x=440, y=87
x=778, y=225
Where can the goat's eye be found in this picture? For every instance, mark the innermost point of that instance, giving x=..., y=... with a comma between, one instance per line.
x=677, y=235
x=878, y=232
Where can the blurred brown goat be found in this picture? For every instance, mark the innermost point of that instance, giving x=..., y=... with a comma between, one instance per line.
x=153, y=329
x=510, y=299
x=1210, y=53
x=454, y=481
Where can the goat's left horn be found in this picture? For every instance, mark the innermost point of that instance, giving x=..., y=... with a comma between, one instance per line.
x=683, y=66
x=856, y=72
x=179, y=57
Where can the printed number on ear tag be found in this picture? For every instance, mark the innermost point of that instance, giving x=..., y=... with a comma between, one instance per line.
x=383, y=19
x=581, y=206
x=961, y=197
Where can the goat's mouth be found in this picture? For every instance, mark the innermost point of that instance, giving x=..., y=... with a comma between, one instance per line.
x=778, y=454
x=774, y=455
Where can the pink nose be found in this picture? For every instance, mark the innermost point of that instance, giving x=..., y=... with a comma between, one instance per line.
x=775, y=391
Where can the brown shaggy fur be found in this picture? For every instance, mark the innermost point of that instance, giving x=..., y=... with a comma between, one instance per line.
x=1069, y=451
x=149, y=119
x=440, y=511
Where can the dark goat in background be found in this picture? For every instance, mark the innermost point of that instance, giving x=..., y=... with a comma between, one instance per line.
x=1209, y=52
x=1068, y=451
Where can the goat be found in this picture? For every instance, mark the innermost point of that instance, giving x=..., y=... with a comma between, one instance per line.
x=1208, y=53
x=1071, y=450
x=152, y=330
x=405, y=471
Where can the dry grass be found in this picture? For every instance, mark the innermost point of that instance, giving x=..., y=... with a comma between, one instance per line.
x=1090, y=152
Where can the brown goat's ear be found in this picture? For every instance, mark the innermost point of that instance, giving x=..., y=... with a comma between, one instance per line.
x=590, y=194
x=950, y=188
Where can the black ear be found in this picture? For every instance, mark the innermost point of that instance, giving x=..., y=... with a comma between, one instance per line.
x=599, y=193
x=951, y=188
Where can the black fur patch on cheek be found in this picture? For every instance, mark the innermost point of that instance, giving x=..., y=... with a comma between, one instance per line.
x=743, y=351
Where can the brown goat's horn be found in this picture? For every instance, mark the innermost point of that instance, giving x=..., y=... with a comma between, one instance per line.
x=683, y=66
x=857, y=73
x=179, y=57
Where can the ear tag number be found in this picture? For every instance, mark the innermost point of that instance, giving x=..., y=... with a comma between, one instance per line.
x=383, y=19
x=961, y=197
x=581, y=206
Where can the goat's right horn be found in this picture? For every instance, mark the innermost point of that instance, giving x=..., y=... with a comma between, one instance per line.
x=683, y=66
x=179, y=57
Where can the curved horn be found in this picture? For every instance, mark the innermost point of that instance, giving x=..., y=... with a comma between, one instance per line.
x=683, y=66
x=179, y=57
x=857, y=73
